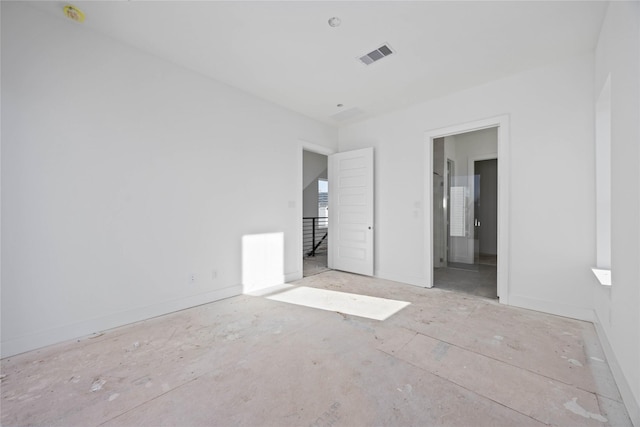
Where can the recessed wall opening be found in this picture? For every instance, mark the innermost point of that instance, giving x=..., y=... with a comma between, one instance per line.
x=465, y=212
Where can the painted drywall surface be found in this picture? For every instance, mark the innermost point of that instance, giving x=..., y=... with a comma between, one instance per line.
x=314, y=167
x=470, y=145
x=123, y=174
x=618, y=55
x=551, y=130
x=310, y=200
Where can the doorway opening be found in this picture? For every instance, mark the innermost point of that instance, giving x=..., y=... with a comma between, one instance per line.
x=315, y=213
x=465, y=212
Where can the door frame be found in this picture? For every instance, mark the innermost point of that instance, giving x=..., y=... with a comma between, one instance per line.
x=302, y=147
x=502, y=125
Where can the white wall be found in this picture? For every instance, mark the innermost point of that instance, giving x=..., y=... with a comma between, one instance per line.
x=314, y=167
x=618, y=308
x=122, y=174
x=552, y=243
x=470, y=145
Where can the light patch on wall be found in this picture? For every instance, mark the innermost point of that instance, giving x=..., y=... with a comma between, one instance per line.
x=604, y=276
x=262, y=261
x=341, y=302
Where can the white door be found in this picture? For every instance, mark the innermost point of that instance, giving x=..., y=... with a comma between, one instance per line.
x=351, y=211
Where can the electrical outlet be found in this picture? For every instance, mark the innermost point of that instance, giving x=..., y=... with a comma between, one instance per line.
x=192, y=278
x=214, y=274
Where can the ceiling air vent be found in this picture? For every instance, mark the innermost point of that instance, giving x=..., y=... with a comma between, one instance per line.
x=376, y=55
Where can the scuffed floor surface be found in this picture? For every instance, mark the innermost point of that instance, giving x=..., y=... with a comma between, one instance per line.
x=447, y=359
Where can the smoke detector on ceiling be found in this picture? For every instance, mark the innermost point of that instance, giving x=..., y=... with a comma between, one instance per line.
x=376, y=55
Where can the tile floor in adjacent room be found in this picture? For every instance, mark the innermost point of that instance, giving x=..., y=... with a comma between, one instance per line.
x=475, y=279
x=446, y=359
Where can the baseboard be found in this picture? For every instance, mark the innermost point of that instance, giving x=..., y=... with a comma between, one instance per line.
x=86, y=327
x=630, y=402
x=550, y=307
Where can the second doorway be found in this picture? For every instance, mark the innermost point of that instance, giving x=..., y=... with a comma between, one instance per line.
x=465, y=182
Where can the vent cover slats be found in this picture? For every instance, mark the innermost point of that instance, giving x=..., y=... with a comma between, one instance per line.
x=376, y=55
x=384, y=49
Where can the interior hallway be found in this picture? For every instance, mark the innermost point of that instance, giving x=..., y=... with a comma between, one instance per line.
x=447, y=359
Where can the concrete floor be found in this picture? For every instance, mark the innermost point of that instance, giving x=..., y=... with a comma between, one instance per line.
x=314, y=265
x=447, y=359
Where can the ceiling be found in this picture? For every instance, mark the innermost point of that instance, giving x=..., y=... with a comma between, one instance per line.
x=287, y=53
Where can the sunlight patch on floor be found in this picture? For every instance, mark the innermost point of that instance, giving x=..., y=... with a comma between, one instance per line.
x=342, y=302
